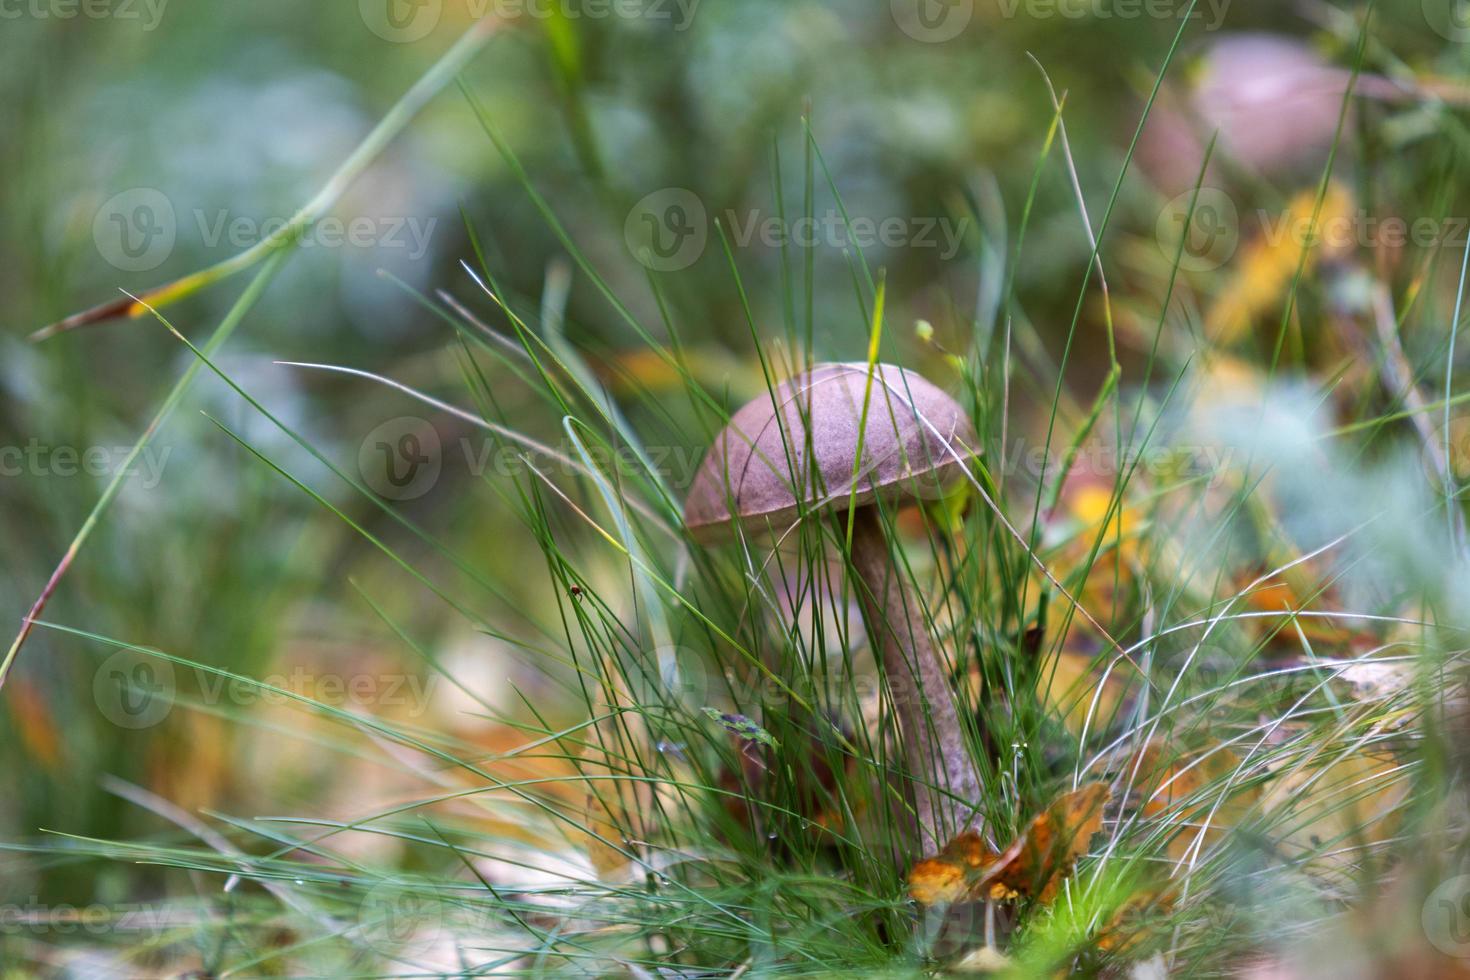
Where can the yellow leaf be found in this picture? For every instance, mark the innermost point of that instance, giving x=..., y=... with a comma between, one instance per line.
x=1326, y=811
x=1073, y=685
x=1268, y=264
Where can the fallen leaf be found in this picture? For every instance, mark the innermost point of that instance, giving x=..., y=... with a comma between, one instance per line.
x=1092, y=503
x=1075, y=684
x=1129, y=924
x=1268, y=265
x=35, y=721
x=944, y=877
x=1179, y=788
x=1326, y=812
x=1294, y=590
x=1034, y=866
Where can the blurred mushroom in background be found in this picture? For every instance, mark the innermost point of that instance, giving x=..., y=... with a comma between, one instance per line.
x=1275, y=104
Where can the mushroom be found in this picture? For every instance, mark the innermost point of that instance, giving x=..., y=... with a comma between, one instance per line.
x=1275, y=103
x=768, y=470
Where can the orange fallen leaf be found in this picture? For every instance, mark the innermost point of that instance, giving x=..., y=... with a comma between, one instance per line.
x=1297, y=589
x=1172, y=788
x=1034, y=866
x=945, y=877
x=35, y=722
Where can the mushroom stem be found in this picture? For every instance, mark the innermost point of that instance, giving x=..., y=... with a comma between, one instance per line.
x=946, y=783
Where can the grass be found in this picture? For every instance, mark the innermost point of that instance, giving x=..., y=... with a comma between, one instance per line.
x=706, y=780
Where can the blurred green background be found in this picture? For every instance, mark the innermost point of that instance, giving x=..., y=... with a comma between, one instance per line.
x=221, y=118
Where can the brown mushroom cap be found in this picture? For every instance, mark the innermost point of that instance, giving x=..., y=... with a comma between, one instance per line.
x=757, y=474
